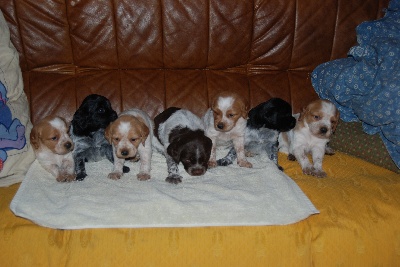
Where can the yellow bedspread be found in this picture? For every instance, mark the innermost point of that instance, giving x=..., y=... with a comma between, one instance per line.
x=358, y=225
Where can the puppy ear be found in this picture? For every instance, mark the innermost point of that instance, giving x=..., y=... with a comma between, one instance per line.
x=80, y=119
x=144, y=130
x=108, y=132
x=145, y=134
x=337, y=117
x=245, y=109
x=174, y=150
x=35, y=137
x=255, y=120
x=303, y=113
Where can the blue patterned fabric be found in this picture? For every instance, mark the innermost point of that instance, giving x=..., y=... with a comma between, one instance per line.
x=365, y=86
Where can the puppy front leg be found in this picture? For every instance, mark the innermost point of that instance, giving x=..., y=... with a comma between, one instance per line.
x=228, y=159
x=317, y=156
x=145, y=154
x=118, y=166
x=238, y=143
x=212, y=162
x=300, y=155
x=173, y=171
x=67, y=170
x=80, y=167
x=272, y=152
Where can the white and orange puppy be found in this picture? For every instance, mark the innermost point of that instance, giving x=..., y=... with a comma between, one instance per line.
x=130, y=135
x=226, y=121
x=314, y=127
x=53, y=147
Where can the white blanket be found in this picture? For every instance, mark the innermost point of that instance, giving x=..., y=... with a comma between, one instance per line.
x=224, y=196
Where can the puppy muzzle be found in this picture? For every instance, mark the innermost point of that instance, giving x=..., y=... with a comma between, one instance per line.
x=324, y=132
x=196, y=171
x=222, y=127
x=126, y=153
x=69, y=146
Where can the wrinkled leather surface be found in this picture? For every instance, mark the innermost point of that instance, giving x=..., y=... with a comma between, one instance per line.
x=153, y=54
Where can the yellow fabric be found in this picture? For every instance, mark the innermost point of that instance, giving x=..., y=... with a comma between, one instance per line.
x=359, y=225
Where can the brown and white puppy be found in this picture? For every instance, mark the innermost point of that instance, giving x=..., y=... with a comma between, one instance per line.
x=226, y=121
x=314, y=128
x=130, y=135
x=53, y=147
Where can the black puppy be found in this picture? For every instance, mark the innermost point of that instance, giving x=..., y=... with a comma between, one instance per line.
x=179, y=135
x=263, y=126
x=87, y=132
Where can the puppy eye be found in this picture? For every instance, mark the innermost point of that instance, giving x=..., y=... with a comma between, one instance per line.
x=231, y=115
x=54, y=138
x=133, y=139
x=101, y=110
x=316, y=117
x=116, y=139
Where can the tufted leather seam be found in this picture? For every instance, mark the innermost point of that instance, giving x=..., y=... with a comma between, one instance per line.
x=162, y=36
x=334, y=32
x=69, y=36
x=294, y=33
x=251, y=39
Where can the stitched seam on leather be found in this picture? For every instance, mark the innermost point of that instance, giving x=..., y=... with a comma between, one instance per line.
x=162, y=37
x=294, y=34
x=334, y=31
x=208, y=28
x=251, y=38
x=114, y=10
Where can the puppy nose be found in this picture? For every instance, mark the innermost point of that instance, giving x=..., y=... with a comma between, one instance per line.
x=68, y=145
x=323, y=130
x=220, y=126
x=124, y=153
x=197, y=172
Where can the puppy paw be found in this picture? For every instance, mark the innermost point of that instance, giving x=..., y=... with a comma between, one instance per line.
x=80, y=176
x=309, y=171
x=329, y=151
x=174, y=179
x=291, y=157
x=70, y=177
x=212, y=164
x=65, y=177
x=319, y=173
x=143, y=176
x=245, y=163
x=115, y=175
x=224, y=162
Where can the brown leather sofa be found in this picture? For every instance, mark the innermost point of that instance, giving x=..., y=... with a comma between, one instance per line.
x=155, y=54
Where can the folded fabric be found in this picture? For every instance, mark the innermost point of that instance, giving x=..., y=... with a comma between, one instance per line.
x=224, y=196
x=366, y=85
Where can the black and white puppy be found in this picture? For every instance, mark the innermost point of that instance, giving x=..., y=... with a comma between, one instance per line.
x=265, y=123
x=179, y=135
x=87, y=132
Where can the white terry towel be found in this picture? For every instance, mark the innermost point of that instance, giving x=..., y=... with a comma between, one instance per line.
x=224, y=196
